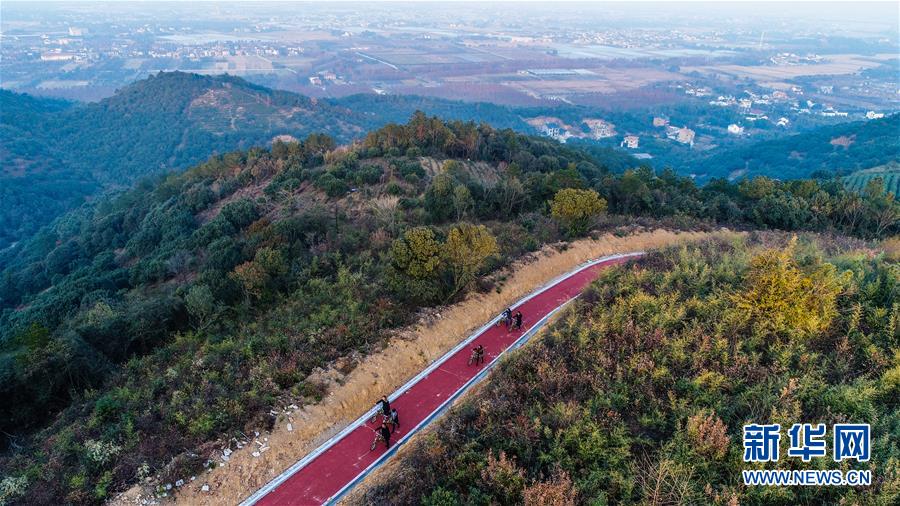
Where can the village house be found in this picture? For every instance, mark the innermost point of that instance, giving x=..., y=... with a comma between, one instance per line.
x=686, y=136
x=630, y=142
x=600, y=129
x=683, y=135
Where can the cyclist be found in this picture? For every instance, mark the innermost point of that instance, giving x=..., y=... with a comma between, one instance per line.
x=478, y=353
x=507, y=317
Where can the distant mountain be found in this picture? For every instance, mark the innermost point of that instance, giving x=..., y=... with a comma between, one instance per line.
x=842, y=148
x=55, y=154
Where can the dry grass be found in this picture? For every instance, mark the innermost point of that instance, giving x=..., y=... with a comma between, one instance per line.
x=407, y=353
x=891, y=248
x=484, y=173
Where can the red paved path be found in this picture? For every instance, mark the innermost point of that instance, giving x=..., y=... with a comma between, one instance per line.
x=332, y=470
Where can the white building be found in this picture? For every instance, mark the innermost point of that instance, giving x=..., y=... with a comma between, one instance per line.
x=631, y=142
x=874, y=115
x=735, y=129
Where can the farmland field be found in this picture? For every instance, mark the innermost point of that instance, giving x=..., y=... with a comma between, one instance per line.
x=889, y=174
x=833, y=65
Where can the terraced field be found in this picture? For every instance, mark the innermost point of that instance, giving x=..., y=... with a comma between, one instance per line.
x=889, y=174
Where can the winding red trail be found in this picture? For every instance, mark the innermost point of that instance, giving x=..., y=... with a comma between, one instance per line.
x=338, y=467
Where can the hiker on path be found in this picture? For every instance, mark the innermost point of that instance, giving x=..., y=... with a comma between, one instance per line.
x=385, y=405
x=386, y=435
x=395, y=419
x=518, y=319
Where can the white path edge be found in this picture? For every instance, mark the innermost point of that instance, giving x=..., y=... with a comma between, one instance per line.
x=300, y=464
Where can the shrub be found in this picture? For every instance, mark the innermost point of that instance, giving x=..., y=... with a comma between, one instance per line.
x=708, y=435
x=780, y=298
x=331, y=185
x=369, y=174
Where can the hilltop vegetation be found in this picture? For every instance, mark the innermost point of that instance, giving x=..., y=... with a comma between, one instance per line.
x=836, y=149
x=639, y=393
x=233, y=281
x=55, y=156
x=57, y=153
x=137, y=329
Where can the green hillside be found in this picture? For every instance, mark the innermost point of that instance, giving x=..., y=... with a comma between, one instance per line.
x=889, y=174
x=236, y=279
x=841, y=148
x=638, y=395
x=56, y=154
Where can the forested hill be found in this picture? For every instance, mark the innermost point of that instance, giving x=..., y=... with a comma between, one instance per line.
x=234, y=280
x=840, y=149
x=55, y=154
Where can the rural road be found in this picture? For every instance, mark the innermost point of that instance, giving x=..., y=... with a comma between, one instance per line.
x=339, y=464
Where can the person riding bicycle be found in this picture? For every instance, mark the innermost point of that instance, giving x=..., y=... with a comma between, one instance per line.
x=518, y=319
x=507, y=317
x=478, y=353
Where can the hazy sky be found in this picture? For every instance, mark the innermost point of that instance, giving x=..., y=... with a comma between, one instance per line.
x=879, y=13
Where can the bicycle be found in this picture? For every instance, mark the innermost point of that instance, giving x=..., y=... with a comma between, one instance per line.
x=505, y=319
x=378, y=438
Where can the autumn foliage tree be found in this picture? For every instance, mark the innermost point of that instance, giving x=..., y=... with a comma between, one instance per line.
x=466, y=249
x=417, y=263
x=257, y=276
x=575, y=208
x=781, y=298
x=417, y=253
x=426, y=269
